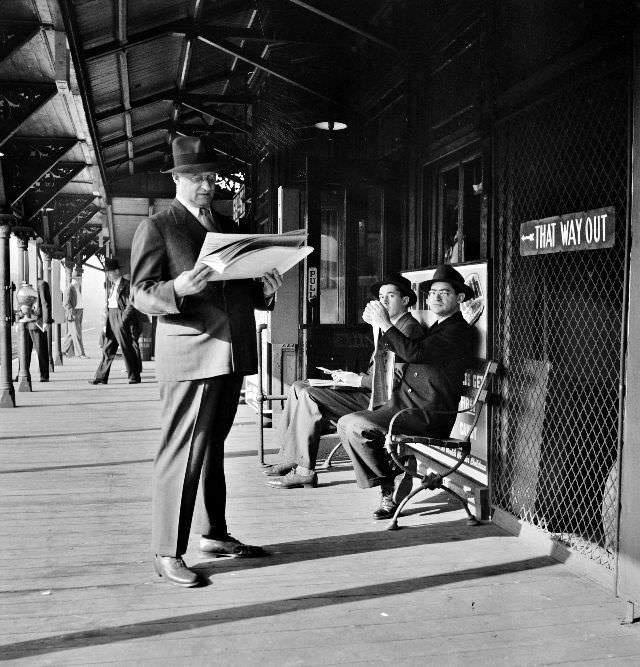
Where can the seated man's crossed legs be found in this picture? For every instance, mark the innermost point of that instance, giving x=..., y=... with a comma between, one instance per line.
x=307, y=414
x=363, y=434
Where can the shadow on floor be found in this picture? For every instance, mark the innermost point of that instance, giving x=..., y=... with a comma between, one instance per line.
x=271, y=608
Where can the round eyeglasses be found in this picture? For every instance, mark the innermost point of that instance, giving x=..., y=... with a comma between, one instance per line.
x=200, y=178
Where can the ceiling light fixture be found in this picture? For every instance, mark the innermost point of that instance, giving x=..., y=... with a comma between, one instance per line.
x=331, y=125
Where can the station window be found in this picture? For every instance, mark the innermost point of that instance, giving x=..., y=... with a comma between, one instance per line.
x=459, y=233
x=332, y=255
x=370, y=250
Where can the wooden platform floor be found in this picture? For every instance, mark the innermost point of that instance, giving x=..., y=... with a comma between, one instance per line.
x=77, y=588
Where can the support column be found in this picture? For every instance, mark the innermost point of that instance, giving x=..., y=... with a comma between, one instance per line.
x=7, y=393
x=24, y=374
x=46, y=276
x=628, y=566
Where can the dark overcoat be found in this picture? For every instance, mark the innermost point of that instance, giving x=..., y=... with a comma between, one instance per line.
x=435, y=369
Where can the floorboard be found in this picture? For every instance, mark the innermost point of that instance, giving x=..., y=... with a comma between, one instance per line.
x=77, y=588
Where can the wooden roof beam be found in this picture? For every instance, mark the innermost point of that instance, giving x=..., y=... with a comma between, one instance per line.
x=147, y=129
x=191, y=29
x=72, y=31
x=168, y=94
x=260, y=63
x=182, y=128
x=196, y=105
x=172, y=28
x=367, y=34
x=154, y=148
x=123, y=68
x=185, y=62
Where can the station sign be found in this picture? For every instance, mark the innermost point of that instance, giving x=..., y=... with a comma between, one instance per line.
x=586, y=230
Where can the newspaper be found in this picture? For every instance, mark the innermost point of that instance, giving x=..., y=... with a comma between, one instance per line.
x=237, y=256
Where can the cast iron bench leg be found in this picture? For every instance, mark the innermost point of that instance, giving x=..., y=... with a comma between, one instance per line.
x=393, y=524
x=327, y=462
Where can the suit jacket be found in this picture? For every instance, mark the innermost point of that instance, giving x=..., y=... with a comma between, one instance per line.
x=435, y=370
x=70, y=300
x=44, y=302
x=125, y=305
x=411, y=328
x=204, y=335
x=42, y=310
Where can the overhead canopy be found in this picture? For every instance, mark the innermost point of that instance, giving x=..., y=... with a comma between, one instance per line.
x=93, y=91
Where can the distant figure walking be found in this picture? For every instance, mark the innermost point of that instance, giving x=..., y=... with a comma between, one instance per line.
x=120, y=329
x=73, y=310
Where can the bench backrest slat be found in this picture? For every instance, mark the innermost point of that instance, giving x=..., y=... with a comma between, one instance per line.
x=482, y=396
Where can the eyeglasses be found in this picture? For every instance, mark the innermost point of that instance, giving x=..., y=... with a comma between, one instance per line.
x=200, y=178
x=444, y=293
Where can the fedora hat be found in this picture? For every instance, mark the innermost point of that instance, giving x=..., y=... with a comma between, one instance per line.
x=445, y=273
x=192, y=155
x=402, y=283
x=111, y=264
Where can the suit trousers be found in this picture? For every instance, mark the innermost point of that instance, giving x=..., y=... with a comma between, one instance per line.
x=306, y=417
x=38, y=339
x=362, y=435
x=118, y=334
x=73, y=339
x=198, y=415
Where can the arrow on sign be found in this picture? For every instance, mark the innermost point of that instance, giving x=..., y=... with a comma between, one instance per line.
x=527, y=238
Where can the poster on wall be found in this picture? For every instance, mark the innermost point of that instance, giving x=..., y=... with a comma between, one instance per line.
x=476, y=312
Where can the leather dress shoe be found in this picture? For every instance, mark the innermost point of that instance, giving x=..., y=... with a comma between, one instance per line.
x=387, y=507
x=227, y=545
x=96, y=381
x=292, y=480
x=134, y=381
x=176, y=572
x=278, y=469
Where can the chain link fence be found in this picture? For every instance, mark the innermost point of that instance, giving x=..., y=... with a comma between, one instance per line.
x=558, y=325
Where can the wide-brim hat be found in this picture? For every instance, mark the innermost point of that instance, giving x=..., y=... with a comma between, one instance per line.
x=445, y=273
x=111, y=264
x=192, y=155
x=402, y=283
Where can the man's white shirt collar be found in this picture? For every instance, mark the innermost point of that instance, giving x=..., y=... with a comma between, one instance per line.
x=194, y=210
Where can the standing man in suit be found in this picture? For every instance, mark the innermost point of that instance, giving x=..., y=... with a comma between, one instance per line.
x=73, y=310
x=119, y=329
x=432, y=382
x=308, y=409
x=205, y=345
x=37, y=338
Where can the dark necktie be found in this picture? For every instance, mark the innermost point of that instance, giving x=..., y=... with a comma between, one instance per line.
x=207, y=221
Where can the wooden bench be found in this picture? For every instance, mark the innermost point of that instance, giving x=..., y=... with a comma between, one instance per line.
x=401, y=447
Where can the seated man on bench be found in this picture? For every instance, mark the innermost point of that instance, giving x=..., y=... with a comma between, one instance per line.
x=309, y=409
x=432, y=382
